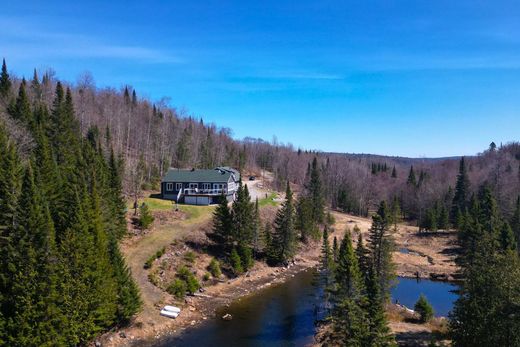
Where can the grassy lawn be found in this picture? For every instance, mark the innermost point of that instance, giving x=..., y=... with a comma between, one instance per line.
x=193, y=212
x=269, y=201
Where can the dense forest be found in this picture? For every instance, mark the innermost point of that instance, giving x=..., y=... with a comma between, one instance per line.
x=63, y=279
x=71, y=153
x=152, y=136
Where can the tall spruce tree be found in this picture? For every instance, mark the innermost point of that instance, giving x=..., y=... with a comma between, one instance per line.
x=381, y=246
x=5, y=82
x=316, y=193
x=284, y=238
x=461, y=197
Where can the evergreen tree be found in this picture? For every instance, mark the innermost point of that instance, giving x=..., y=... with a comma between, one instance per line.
x=316, y=193
x=236, y=262
x=243, y=216
x=411, y=177
x=461, y=197
x=223, y=224
x=395, y=212
x=22, y=108
x=507, y=238
x=350, y=321
x=145, y=217
x=424, y=308
x=363, y=257
x=5, y=82
x=379, y=332
x=381, y=246
x=284, y=240
x=304, y=222
x=394, y=172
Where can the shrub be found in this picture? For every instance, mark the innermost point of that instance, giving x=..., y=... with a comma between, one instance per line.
x=157, y=255
x=425, y=310
x=145, y=217
x=214, y=268
x=206, y=276
x=189, y=257
x=192, y=285
x=149, y=262
x=236, y=262
x=177, y=288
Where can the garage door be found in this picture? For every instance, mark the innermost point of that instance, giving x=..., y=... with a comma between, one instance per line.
x=196, y=200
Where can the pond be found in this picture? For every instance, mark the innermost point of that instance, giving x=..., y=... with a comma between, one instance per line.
x=284, y=314
x=281, y=315
x=441, y=295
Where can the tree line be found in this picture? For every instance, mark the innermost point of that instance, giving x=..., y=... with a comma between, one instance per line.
x=63, y=279
x=152, y=136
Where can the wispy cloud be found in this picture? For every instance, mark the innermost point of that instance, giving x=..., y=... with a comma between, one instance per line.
x=20, y=39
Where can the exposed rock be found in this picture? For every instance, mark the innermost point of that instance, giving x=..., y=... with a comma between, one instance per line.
x=227, y=316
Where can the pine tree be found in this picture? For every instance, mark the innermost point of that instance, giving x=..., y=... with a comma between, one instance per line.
x=304, y=223
x=507, y=238
x=284, y=238
x=394, y=172
x=350, y=322
x=316, y=193
x=236, y=262
x=411, y=177
x=243, y=216
x=461, y=197
x=363, y=257
x=379, y=332
x=223, y=224
x=395, y=212
x=5, y=82
x=381, y=246
x=145, y=217
x=22, y=108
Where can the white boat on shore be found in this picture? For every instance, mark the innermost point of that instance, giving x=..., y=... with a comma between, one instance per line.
x=170, y=311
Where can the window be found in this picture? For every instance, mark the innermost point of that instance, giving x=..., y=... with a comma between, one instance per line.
x=206, y=185
x=194, y=185
x=178, y=186
x=169, y=186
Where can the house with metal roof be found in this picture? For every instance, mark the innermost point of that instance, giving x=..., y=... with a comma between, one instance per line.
x=200, y=187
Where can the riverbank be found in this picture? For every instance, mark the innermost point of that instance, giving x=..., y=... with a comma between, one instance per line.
x=196, y=309
x=427, y=254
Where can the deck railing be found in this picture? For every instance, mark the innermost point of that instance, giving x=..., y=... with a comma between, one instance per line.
x=195, y=191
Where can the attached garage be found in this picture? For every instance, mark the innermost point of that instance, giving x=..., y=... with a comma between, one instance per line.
x=197, y=200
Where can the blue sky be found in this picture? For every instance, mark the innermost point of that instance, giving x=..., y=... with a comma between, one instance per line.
x=410, y=78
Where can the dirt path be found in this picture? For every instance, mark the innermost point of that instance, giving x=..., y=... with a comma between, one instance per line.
x=139, y=248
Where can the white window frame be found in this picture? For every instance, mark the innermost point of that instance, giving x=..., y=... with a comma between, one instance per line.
x=178, y=186
x=169, y=187
x=206, y=186
x=193, y=186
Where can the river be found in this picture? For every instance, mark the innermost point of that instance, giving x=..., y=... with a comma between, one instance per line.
x=284, y=314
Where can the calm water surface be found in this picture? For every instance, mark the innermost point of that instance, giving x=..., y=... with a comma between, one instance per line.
x=283, y=315
x=441, y=295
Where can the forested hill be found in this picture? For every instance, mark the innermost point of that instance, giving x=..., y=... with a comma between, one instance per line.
x=63, y=279
x=150, y=137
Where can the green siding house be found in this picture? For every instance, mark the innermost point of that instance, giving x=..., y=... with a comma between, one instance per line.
x=200, y=187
